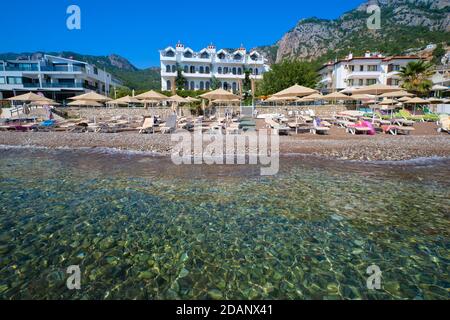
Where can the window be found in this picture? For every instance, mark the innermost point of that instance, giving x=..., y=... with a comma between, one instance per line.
x=170, y=53
x=234, y=87
x=192, y=85
x=202, y=85
x=167, y=68
x=351, y=68
x=14, y=80
x=239, y=71
x=208, y=85
x=396, y=67
x=206, y=69
x=221, y=56
x=225, y=70
x=188, y=54
x=237, y=56
x=361, y=68
x=351, y=82
x=2, y=80
x=370, y=82
x=174, y=68
x=169, y=85
x=186, y=85
x=219, y=70
x=204, y=55
x=396, y=82
x=360, y=82
x=250, y=70
x=192, y=69
x=254, y=57
x=234, y=71
x=186, y=69
x=372, y=68
x=225, y=86
x=202, y=69
x=256, y=71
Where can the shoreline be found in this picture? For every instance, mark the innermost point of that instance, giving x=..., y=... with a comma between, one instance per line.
x=359, y=148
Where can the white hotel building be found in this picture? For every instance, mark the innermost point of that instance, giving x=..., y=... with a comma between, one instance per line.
x=199, y=68
x=355, y=72
x=56, y=77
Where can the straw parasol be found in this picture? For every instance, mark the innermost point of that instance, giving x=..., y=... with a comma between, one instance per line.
x=177, y=99
x=305, y=99
x=396, y=94
x=403, y=99
x=417, y=100
x=363, y=97
x=91, y=96
x=47, y=102
x=219, y=94
x=376, y=89
x=281, y=99
x=192, y=99
x=438, y=87
x=124, y=100
x=295, y=91
x=387, y=102
x=337, y=96
x=30, y=96
x=315, y=96
x=435, y=100
x=151, y=95
x=85, y=103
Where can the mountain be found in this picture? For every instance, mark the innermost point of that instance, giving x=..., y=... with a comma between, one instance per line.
x=119, y=67
x=404, y=24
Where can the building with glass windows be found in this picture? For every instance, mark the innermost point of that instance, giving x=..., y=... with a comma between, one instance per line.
x=57, y=78
x=199, y=69
x=355, y=72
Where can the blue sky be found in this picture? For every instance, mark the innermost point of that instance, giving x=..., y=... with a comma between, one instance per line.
x=137, y=29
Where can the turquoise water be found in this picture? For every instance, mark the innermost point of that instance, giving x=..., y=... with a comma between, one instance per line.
x=140, y=228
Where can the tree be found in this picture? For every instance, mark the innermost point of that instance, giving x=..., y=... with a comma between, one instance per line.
x=416, y=77
x=180, y=80
x=286, y=74
x=214, y=83
x=438, y=54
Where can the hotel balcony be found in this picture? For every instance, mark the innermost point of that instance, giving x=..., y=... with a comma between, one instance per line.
x=168, y=58
x=196, y=75
x=196, y=59
x=54, y=85
x=364, y=74
x=168, y=74
x=228, y=76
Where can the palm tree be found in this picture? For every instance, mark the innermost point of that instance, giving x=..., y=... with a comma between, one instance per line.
x=416, y=77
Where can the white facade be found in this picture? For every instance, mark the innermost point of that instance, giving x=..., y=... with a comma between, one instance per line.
x=355, y=72
x=200, y=68
x=56, y=77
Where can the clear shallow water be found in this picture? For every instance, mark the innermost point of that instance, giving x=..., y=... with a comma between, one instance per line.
x=142, y=228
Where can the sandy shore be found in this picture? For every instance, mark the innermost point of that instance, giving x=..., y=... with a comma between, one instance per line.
x=425, y=142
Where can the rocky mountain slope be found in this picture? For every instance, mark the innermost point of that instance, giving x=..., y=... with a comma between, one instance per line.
x=404, y=24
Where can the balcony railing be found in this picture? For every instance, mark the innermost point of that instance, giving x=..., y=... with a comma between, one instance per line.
x=22, y=68
x=53, y=85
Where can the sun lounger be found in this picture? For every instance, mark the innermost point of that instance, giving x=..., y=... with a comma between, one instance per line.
x=319, y=130
x=403, y=122
x=444, y=124
x=147, y=126
x=170, y=125
x=358, y=130
x=277, y=128
x=395, y=129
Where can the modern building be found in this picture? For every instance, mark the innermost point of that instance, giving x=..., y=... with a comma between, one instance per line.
x=354, y=72
x=199, y=69
x=57, y=78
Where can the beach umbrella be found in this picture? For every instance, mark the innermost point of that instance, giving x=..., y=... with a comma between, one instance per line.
x=416, y=101
x=435, y=101
x=403, y=99
x=219, y=101
x=376, y=89
x=85, y=103
x=192, y=99
x=47, y=102
x=438, y=87
x=348, y=90
x=151, y=95
x=396, y=94
x=177, y=99
x=363, y=97
x=315, y=96
x=337, y=96
x=30, y=96
x=219, y=94
x=91, y=96
x=124, y=101
x=281, y=99
x=295, y=91
x=387, y=102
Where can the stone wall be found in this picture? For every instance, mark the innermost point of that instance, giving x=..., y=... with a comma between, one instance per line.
x=164, y=112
